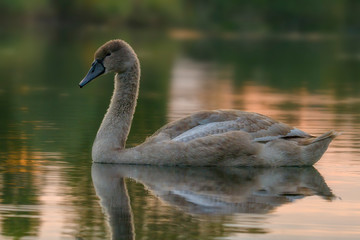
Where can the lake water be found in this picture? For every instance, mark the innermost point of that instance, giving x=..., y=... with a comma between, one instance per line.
x=51, y=190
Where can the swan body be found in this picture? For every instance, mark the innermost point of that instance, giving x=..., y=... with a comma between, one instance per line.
x=206, y=138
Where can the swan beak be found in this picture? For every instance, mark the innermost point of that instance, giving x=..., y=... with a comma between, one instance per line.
x=97, y=68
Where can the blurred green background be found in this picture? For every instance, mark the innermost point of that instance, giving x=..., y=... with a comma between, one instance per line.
x=213, y=15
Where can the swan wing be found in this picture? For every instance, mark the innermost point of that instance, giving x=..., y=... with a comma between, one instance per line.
x=206, y=123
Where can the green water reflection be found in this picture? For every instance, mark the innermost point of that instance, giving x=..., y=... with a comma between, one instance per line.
x=47, y=124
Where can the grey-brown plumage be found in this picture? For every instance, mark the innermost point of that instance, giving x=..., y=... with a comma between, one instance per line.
x=206, y=138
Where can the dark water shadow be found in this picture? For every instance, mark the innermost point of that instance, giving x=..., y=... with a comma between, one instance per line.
x=204, y=191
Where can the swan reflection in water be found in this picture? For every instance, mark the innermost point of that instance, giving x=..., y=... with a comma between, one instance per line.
x=210, y=191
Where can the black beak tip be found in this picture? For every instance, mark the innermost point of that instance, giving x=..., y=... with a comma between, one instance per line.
x=80, y=86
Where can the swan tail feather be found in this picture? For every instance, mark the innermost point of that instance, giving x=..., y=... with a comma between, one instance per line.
x=326, y=136
x=314, y=148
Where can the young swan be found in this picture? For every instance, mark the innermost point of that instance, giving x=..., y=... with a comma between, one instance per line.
x=206, y=138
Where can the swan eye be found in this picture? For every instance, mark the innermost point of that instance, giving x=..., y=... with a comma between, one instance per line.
x=108, y=54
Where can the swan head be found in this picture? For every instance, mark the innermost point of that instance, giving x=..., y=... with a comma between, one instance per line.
x=114, y=56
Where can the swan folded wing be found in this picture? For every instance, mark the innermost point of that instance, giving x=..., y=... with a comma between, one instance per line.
x=259, y=127
x=206, y=123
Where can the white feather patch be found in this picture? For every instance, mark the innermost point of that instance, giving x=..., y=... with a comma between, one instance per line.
x=206, y=130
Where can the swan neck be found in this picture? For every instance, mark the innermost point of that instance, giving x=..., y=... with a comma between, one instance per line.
x=115, y=127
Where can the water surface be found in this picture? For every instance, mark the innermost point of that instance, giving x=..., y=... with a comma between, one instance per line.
x=51, y=190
